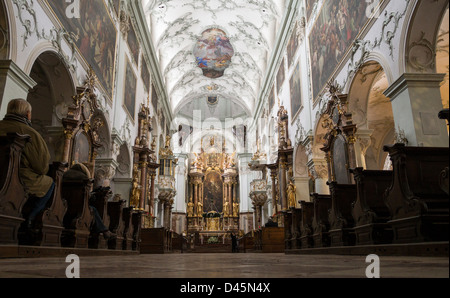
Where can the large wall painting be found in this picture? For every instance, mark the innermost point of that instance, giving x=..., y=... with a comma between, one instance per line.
x=97, y=37
x=129, y=96
x=296, y=92
x=337, y=25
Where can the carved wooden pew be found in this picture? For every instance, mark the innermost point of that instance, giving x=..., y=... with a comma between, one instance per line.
x=136, y=221
x=12, y=193
x=369, y=210
x=320, y=223
x=116, y=225
x=287, y=216
x=272, y=240
x=78, y=218
x=340, y=217
x=99, y=200
x=307, y=211
x=295, y=228
x=418, y=205
x=127, y=215
x=49, y=225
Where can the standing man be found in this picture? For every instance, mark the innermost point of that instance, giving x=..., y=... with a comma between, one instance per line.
x=34, y=164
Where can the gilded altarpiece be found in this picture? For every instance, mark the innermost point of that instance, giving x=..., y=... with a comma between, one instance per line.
x=213, y=204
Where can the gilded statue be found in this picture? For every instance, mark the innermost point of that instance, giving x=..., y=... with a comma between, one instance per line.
x=168, y=139
x=136, y=189
x=197, y=163
x=190, y=208
x=199, y=209
x=228, y=161
x=291, y=193
x=235, y=209
x=226, y=209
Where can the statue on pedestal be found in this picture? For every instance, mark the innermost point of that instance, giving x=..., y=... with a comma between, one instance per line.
x=291, y=193
x=199, y=209
x=226, y=209
x=136, y=189
x=235, y=209
x=190, y=208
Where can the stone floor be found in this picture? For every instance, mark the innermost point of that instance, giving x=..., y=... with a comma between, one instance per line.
x=226, y=266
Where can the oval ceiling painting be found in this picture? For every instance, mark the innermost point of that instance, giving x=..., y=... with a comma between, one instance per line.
x=213, y=52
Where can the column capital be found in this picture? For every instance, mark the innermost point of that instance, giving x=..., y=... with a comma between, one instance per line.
x=408, y=80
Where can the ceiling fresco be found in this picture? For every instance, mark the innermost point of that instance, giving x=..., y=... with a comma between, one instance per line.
x=222, y=43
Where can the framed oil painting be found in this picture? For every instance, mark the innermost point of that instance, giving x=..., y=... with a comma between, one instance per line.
x=129, y=90
x=145, y=74
x=97, y=37
x=154, y=98
x=281, y=76
x=133, y=44
x=292, y=45
x=337, y=25
x=296, y=92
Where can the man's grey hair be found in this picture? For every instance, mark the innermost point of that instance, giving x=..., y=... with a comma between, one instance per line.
x=19, y=106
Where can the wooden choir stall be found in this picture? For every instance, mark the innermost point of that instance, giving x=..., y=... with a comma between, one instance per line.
x=374, y=211
x=68, y=220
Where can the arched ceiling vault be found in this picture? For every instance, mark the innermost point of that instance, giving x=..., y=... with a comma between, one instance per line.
x=250, y=26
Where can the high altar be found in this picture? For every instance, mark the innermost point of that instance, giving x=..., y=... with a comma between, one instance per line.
x=213, y=206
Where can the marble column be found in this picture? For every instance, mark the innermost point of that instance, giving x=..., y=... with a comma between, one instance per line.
x=273, y=177
x=152, y=170
x=282, y=173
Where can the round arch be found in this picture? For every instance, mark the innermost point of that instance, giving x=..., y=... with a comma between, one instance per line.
x=372, y=113
x=420, y=34
x=50, y=99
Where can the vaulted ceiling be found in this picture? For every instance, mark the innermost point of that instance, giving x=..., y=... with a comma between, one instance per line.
x=250, y=26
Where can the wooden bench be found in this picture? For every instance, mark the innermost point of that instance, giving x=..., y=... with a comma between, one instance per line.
x=307, y=211
x=370, y=212
x=247, y=243
x=295, y=228
x=78, y=218
x=116, y=224
x=127, y=215
x=340, y=217
x=49, y=225
x=320, y=223
x=419, y=207
x=287, y=217
x=272, y=240
x=12, y=192
x=136, y=221
x=99, y=200
x=156, y=241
